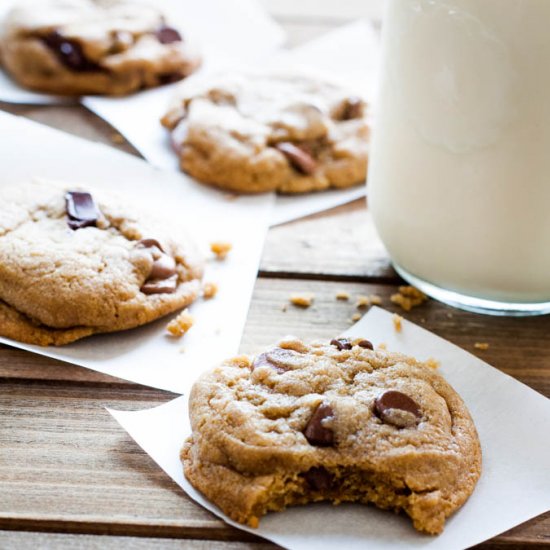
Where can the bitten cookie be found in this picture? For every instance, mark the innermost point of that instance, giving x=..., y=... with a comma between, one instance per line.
x=76, y=47
x=252, y=133
x=74, y=264
x=338, y=422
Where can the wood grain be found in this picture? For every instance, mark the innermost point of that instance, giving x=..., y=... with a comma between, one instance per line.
x=46, y=541
x=67, y=466
x=339, y=244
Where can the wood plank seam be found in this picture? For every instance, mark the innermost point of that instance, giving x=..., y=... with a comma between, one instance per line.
x=214, y=532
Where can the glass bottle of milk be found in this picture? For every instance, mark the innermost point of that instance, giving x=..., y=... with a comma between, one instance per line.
x=459, y=177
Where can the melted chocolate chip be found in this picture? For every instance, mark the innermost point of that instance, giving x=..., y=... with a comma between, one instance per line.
x=149, y=243
x=162, y=278
x=318, y=479
x=163, y=268
x=353, y=108
x=82, y=211
x=397, y=409
x=70, y=53
x=365, y=344
x=168, y=35
x=160, y=286
x=316, y=433
x=276, y=358
x=341, y=343
x=299, y=159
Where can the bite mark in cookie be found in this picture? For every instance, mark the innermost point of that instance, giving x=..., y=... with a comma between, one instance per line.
x=342, y=422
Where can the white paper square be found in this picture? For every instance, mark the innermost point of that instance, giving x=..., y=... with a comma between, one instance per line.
x=147, y=355
x=348, y=54
x=512, y=420
x=222, y=29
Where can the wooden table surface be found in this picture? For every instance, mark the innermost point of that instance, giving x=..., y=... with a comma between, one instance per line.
x=71, y=477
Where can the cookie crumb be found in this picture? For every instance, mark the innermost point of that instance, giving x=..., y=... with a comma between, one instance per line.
x=397, y=325
x=432, y=363
x=382, y=346
x=342, y=295
x=221, y=249
x=284, y=308
x=117, y=138
x=408, y=297
x=304, y=299
x=242, y=361
x=209, y=290
x=375, y=300
x=181, y=324
x=355, y=317
x=481, y=345
x=293, y=343
x=362, y=301
x=182, y=349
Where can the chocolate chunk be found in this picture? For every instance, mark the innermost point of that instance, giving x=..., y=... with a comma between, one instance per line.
x=353, y=108
x=70, y=53
x=163, y=267
x=318, y=479
x=316, y=433
x=341, y=343
x=160, y=286
x=398, y=409
x=276, y=358
x=298, y=158
x=365, y=344
x=82, y=211
x=170, y=78
x=168, y=35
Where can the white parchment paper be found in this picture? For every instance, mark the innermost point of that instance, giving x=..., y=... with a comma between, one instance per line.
x=348, y=54
x=147, y=355
x=222, y=29
x=512, y=420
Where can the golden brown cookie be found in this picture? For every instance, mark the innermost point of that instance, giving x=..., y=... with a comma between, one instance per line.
x=336, y=422
x=77, y=47
x=74, y=264
x=252, y=133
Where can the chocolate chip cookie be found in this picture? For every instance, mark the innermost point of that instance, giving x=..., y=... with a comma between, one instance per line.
x=337, y=422
x=76, y=47
x=252, y=133
x=75, y=263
